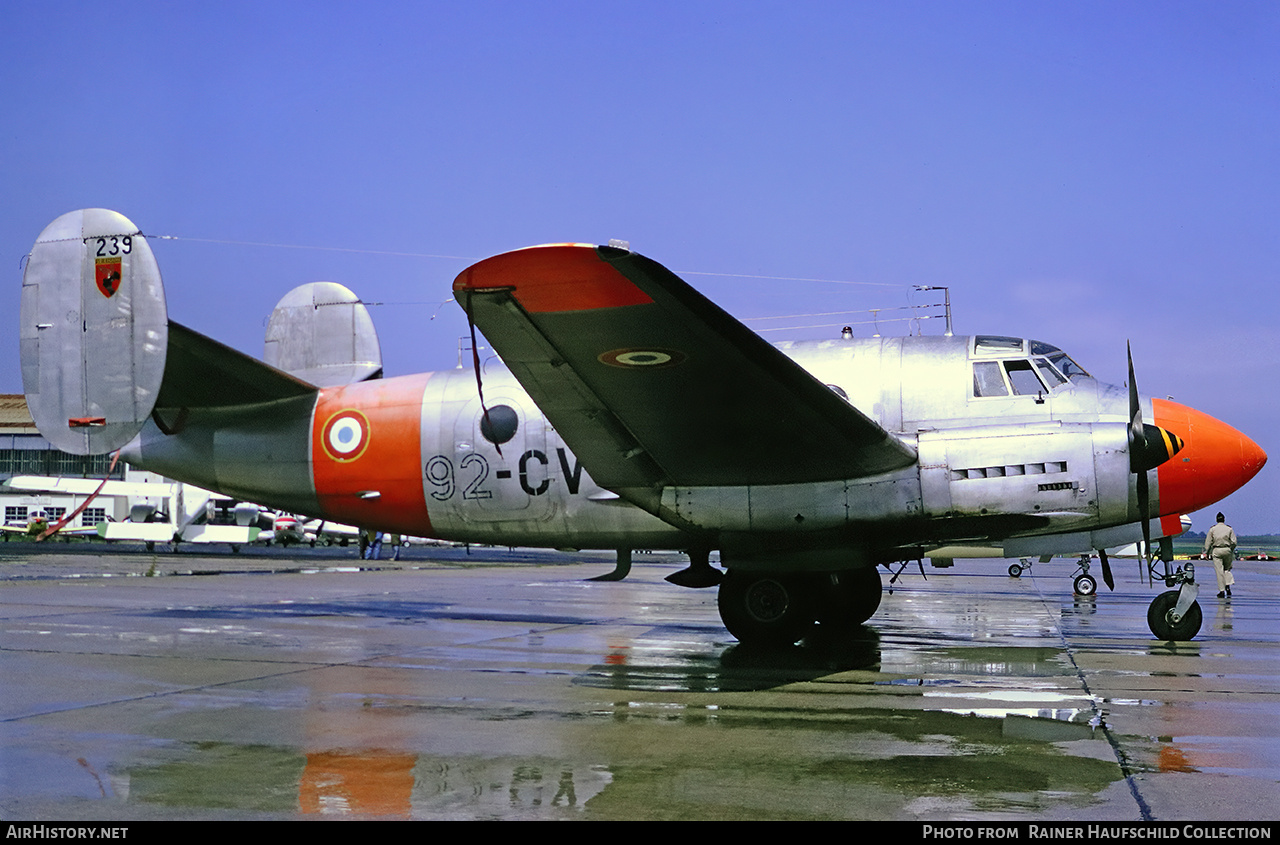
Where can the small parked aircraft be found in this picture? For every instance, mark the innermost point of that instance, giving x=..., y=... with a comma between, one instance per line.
x=158, y=512
x=628, y=411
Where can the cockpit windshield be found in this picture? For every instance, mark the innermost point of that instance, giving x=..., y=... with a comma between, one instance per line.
x=1060, y=360
x=1047, y=369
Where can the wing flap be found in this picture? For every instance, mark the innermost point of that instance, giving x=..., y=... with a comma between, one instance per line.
x=647, y=380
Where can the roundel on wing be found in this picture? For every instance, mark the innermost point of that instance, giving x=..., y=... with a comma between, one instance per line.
x=346, y=435
x=642, y=358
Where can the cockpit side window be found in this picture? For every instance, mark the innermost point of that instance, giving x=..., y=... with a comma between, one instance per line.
x=987, y=379
x=1023, y=377
x=1051, y=376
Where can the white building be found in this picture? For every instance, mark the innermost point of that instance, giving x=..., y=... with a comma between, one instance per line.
x=24, y=452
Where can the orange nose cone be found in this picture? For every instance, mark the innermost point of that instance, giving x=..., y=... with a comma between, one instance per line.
x=1216, y=462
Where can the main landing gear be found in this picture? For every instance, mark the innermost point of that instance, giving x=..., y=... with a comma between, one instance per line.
x=1084, y=583
x=780, y=609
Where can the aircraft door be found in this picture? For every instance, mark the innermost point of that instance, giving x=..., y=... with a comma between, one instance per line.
x=500, y=469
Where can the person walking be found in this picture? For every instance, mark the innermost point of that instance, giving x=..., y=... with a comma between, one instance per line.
x=1220, y=547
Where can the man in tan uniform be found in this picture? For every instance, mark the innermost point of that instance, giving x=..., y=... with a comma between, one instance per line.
x=1220, y=547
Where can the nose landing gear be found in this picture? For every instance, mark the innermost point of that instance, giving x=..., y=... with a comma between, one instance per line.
x=1175, y=615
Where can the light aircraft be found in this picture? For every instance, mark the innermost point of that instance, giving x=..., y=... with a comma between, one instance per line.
x=286, y=530
x=628, y=411
x=34, y=526
x=159, y=512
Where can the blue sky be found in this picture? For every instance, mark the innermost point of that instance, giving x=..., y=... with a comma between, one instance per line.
x=1084, y=173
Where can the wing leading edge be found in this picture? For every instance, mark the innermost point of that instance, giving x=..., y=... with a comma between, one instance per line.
x=650, y=383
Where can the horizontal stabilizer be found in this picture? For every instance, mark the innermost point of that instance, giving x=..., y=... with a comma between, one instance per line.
x=322, y=333
x=651, y=383
x=204, y=373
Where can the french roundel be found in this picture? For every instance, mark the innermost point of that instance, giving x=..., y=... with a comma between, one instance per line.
x=642, y=358
x=346, y=435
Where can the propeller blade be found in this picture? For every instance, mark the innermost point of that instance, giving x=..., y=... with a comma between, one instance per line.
x=1141, y=455
x=1137, y=437
x=1106, y=570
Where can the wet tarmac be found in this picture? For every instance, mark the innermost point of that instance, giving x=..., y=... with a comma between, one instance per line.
x=496, y=685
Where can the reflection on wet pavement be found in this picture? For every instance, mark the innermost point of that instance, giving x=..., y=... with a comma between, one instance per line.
x=502, y=693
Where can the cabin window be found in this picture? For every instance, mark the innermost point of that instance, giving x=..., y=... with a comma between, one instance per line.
x=987, y=380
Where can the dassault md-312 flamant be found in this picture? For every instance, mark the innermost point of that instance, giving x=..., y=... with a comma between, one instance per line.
x=628, y=411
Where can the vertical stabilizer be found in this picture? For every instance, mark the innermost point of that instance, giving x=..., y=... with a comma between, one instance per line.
x=323, y=334
x=93, y=331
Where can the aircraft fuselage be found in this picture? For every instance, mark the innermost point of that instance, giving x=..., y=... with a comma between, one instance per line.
x=1041, y=471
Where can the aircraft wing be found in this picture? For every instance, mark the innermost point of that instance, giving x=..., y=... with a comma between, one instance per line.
x=650, y=383
x=86, y=486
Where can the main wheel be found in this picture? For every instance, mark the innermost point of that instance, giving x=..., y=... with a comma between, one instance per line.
x=1159, y=618
x=844, y=600
x=1015, y=571
x=760, y=607
x=1085, y=585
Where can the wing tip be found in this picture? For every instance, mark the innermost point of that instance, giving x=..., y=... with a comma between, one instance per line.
x=554, y=278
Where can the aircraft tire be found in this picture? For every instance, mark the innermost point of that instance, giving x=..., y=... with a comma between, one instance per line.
x=1015, y=571
x=1164, y=629
x=847, y=599
x=765, y=608
x=1085, y=585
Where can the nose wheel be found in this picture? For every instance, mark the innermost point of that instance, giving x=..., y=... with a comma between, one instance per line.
x=1167, y=623
x=1175, y=615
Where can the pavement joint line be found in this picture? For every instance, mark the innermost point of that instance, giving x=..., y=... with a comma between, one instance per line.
x=1122, y=759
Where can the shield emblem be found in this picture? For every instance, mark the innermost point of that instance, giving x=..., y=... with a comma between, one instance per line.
x=107, y=272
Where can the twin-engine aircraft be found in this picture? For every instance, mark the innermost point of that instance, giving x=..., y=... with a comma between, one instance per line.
x=628, y=411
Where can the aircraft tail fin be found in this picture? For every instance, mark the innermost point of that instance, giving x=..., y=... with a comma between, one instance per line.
x=94, y=331
x=322, y=333
x=99, y=354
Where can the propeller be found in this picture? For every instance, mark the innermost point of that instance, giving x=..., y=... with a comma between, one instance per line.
x=1149, y=447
